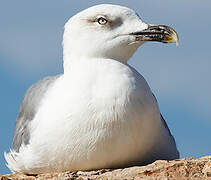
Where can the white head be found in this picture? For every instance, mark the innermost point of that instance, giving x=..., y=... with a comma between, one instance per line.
x=109, y=31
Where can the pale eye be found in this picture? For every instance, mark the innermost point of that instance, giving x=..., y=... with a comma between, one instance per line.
x=102, y=21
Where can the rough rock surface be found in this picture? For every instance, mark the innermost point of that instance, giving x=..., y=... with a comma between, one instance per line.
x=182, y=169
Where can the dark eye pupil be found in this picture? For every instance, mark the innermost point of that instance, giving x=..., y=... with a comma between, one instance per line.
x=102, y=21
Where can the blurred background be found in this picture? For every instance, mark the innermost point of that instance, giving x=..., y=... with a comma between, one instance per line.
x=31, y=48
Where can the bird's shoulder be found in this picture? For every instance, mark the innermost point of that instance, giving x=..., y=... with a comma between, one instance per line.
x=28, y=109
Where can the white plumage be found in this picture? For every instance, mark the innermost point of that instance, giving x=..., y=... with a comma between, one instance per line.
x=101, y=112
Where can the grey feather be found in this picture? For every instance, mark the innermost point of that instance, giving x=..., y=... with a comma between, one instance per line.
x=168, y=130
x=163, y=120
x=28, y=109
x=172, y=137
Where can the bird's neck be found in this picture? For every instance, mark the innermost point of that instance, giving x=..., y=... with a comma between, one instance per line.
x=79, y=62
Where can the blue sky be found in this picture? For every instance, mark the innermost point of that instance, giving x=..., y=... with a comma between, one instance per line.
x=30, y=48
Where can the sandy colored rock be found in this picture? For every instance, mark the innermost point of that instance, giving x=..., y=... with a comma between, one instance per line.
x=182, y=169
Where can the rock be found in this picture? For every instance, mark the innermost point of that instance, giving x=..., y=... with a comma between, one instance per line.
x=181, y=169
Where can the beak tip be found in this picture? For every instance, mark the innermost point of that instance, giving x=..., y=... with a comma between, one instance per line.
x=176, y=40
x=174, y=37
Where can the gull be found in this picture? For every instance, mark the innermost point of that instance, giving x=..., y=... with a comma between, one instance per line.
x=100, y=113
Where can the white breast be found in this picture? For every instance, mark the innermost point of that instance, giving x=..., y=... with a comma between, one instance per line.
x=107, y=118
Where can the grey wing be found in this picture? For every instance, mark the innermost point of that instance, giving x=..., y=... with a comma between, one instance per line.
x=163, y=120
x=28, y=109
x=176, y=155
x=165, y=125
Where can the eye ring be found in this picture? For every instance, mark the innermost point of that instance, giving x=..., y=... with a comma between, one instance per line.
x=102, y=21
